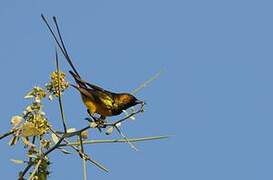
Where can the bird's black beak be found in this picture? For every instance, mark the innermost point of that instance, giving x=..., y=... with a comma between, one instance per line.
x=140, y=102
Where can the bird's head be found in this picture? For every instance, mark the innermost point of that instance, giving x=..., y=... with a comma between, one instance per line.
x=127, y=100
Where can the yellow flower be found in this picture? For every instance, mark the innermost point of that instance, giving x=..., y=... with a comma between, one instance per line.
x=36, y=124
x=16, y=120
x=45, y=143
x=57, y=84
x=37, y=92
x=29, y=129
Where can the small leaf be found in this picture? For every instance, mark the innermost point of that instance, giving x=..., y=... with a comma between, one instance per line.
x=13, y=140
x=27, y=143
x=28, y=108
x=118, y=124
x=64, y=151
x=133, y=109
x=84, y=134
x=32, y=156
x=45, y=143
x=16, y=120
x=54, y=138
x=71, y=130
x=37, y=99
x=127, y=114
x=17, y=161
x=109, y=131
x=29, y=95
x=50, y=97
x=93, y=125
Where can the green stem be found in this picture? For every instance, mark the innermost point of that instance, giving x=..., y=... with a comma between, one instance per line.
x=22, y=174
x=143, y=85
x=103, y=141
x=35, y=170
x=84, y=169
x=80, y=153
x=126, y=139
x=30, y=163
x=59, y=94
x=83, y=159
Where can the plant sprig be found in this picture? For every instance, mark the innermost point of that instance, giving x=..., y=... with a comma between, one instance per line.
x=34, y=123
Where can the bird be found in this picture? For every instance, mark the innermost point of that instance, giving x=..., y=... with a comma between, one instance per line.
x=96, y=99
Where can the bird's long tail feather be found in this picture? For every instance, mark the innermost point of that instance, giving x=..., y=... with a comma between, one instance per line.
x=78, y=80
x=60, y=45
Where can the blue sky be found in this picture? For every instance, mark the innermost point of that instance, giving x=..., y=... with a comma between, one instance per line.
x=214, y=97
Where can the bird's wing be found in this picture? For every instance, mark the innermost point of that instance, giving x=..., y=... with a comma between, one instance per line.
x=86, y=92
x=103, y=98
x=100, y=97
x=95, y=93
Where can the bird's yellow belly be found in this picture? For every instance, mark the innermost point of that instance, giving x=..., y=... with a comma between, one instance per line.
x=94, y=107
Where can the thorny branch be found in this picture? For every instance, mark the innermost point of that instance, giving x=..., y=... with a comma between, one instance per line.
x=78, y=133
x=106, y=141
x=79, y=152
x=79, y=146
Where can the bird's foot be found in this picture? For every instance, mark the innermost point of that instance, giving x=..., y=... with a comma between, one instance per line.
x=97, y=122
x=101, y=123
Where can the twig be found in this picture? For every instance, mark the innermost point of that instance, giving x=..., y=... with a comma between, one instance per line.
x=126, y=139
x=35, y=169
x=30, y=163
x=80, y=153
x=143, y=85
x=83, y=159
x=7, y=134
x=22, y=174
x=95, y=163
x=104, y=141
x=125, y=118
x=59, y=94
x=113, y=125
x=83, y=155
x=84, y=169
x=55, y=146
x=68, y=135
x=88, y=158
